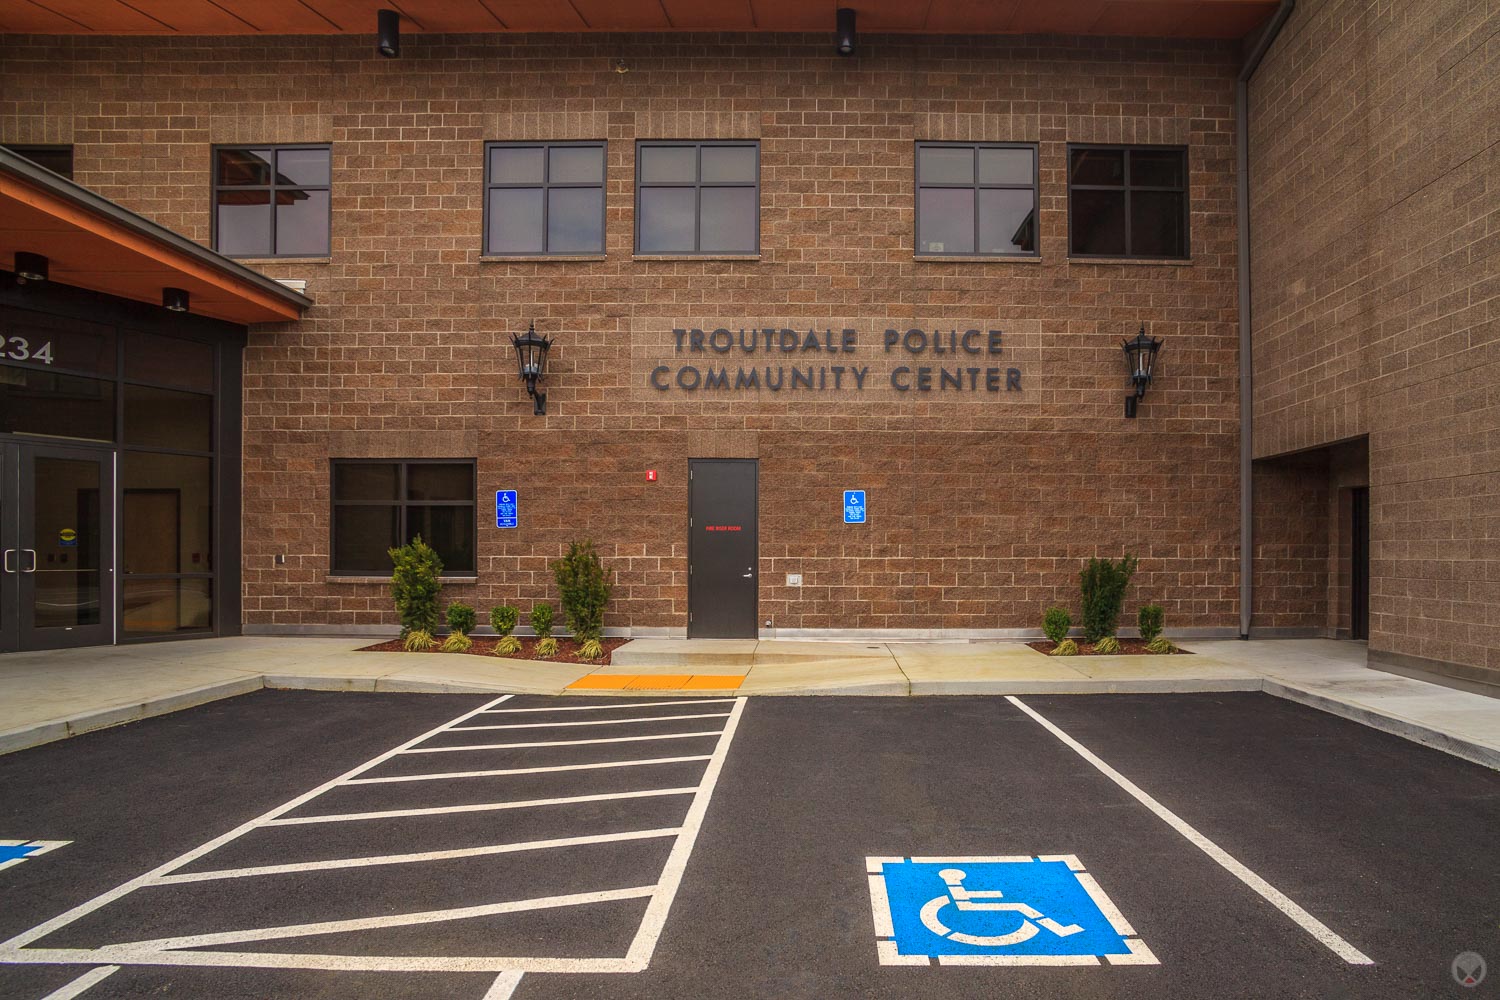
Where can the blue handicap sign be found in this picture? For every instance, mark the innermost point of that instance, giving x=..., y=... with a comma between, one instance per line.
x=854, y=506
x=1003, y=910
x=507, y=510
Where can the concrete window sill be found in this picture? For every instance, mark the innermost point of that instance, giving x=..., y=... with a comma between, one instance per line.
x=282, y=260
x=543, y=258
x=932, y=258
x=330, y=578
x=1148, y=261
x=695, y=256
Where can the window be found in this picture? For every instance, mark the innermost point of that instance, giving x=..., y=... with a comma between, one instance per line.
x=697, y=197
x=1127, y=201
x=378, y=505
x=976, y=200
x=272, y=201
x=58, y=159
x=544, y=198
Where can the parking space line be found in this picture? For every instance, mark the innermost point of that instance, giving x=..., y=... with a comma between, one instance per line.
x=476, y=807
x=504, y=985
x=675, y=702
x=562, y=743
x=592, y=722
x=401, y=859
x=503, y=771
x=83, y=983
x=390, y=920
x=1312, y=925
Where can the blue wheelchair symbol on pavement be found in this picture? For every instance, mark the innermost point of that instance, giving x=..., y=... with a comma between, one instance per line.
x=13, y=852
x=997, y=911
x=854, y=506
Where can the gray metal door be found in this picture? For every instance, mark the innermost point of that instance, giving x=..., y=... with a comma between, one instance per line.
x=723, y=566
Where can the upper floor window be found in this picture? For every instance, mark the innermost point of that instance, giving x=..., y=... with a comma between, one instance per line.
x=1127, y=201
x=976, y=200
x=697, y=197
x=58, y=159
x=544, y=198
x=272, y=201
x=379, y=505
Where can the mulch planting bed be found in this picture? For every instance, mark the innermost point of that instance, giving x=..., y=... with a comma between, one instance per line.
x=1128, y=647
x=567, y=649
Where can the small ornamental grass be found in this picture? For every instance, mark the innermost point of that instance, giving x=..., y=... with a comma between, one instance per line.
x=1107, y=646
x=591, y=649
x=546, y=647
x=457, y=642
x=1066, y=648
x=1161, y=644
x=418, y=640
x=508, y=645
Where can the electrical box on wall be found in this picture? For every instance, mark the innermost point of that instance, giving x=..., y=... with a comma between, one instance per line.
x=794, y=579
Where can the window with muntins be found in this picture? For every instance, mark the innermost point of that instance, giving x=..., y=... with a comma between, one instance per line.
x=381, y=504
x=697, y=198
x=976, y=200
x=272, y=201
x=543, y=198
x=1127, y=201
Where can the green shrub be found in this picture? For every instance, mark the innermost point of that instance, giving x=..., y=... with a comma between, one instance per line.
x=508, y=645
x=461, y=618
x=457, y=642
x=1056, y=623
x=1107, y=646
x=591, y=649
x=541, y=620
x=415, y=584
x=1066, y=648
x=418, y=640
x=1151, y=620
x=585, y=590
x=1161, y=644
x=547, y=647
x=503, y=619
x=1102, y=583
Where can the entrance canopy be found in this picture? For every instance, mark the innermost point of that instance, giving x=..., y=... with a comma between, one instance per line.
x=1148, y=18
x=92, y=243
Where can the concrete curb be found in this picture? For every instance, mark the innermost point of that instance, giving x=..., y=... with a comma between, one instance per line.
x=1143, y=685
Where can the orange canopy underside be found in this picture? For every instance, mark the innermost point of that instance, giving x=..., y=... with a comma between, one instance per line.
x=1149, y=18
x=88, y=250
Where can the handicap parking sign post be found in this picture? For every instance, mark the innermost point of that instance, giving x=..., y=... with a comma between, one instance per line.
x=1010, y=910
x=854, y=506
x=507, y=509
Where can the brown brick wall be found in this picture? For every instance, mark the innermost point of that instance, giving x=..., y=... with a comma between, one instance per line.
x=982, y=506
x=1376, y=226
x=1290, y=523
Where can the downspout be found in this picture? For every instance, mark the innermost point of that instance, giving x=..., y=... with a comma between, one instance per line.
x=1242, y=182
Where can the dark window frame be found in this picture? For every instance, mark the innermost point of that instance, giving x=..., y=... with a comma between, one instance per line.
x=401, y=503
x=25, y=150
x=976, y=186
x=273, y=187
x=1185, y=190
x=545, y=187
x=698, y=184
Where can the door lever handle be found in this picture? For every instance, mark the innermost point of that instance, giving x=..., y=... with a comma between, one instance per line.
x=746, y=576
x=8, y=554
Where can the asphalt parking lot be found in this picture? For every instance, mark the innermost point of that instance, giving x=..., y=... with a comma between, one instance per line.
x=322, y=845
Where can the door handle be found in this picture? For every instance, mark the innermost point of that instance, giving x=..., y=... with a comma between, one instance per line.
x=8, y=554
x=746, y=576
x=33, y=561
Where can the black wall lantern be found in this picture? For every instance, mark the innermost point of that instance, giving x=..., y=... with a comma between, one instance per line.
x=844, y=21
x=531, y=356
x=174, y=300
x=1140, y=355
x=30, y=266
x=388, y=25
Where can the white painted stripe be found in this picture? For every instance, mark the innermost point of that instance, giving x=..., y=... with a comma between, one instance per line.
x=1319, y=931
x=83, y=983
x=675, y=703
x=562, y=743
x=501, y=772
x=1023, y=960
x=64, y=919
x=1071, y=860
x=655, y=917
x=880, y=907
x=503, y=986
x=1139, y=955
x=1008, y=859
x=593, y=722
x=391, y=920
x=1105, y=904
x=402, y=859
x=475, y=807
x=888, y=955
x=876, y=865
x=118, y=955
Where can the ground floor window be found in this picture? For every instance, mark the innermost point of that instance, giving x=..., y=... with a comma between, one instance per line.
x=381, y=503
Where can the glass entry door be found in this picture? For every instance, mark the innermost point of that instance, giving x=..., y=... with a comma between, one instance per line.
x=56, y=516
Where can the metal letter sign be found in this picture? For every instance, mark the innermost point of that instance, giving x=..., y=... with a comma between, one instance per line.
x=1016, y=910
x=507, y=509
x=854, y=506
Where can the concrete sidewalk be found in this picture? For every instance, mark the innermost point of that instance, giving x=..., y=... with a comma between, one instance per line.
x=52, y=695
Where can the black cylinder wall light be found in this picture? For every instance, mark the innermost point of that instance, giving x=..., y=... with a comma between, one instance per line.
x=845, y=31
x=389, y=25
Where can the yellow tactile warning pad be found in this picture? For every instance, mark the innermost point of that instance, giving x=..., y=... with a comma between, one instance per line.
x=658, y=682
